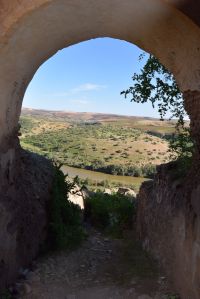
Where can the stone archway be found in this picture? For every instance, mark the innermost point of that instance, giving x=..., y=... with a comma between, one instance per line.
x=32, y=31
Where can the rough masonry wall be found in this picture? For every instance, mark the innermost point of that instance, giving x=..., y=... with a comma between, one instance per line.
x=168, y=220
x=23, y=213
x=169, y=227
x=192, y=106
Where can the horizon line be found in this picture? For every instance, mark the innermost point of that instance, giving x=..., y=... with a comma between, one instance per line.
x=101, y=113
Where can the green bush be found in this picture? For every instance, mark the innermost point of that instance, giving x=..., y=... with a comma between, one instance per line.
x=110, y=213
x=174, y=296
x=65, y=229
x=5, y=294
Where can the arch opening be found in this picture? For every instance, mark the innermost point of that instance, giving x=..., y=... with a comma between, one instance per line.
x=98, y=130
x=56, y=25
x=99, y=93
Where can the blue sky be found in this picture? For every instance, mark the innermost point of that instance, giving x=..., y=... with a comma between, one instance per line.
x=88, y=77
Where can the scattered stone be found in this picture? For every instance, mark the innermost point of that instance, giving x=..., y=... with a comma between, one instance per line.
x=161, y=280
x=133, y=281
x=131, y=291
x=35, y=277
x=82, y=266
x=127, y=191
x=78, y=195
x=144, y=297
x=84, y=273
x=23, y=273
x=108, y=191
x=23, y=288
x=27, y=288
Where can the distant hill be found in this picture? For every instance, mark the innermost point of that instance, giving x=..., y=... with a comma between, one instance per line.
x=86, y=139
x=109, y=143
x=87, y=116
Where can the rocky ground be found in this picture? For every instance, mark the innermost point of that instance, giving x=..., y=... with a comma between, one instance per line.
x=102, y=268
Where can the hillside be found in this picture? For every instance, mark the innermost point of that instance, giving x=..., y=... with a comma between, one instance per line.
x=145, y=123
x=110, y=143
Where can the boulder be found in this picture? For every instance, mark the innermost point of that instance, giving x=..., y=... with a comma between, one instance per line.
x=127, y=192
x=78, y=195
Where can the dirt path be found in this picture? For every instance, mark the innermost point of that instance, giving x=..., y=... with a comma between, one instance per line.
x=102, y=268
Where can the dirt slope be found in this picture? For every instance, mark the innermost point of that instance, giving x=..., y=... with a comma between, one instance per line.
x=102, y=268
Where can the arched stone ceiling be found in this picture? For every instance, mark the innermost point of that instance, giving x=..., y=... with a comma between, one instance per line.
x=190, y=8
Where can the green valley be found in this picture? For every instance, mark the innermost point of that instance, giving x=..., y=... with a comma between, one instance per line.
x=112, y=144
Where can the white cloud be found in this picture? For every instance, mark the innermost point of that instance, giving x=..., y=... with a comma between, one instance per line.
x=81, y=88
x=80, y=102
x=88, y=87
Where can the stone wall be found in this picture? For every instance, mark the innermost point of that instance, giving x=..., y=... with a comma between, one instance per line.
x=24, y=196
x=168, y=224
x=168, y=221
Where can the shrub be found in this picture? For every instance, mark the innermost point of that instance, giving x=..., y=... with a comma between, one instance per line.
x=110, y=213
x=6, y=294
x=174, y=296
x=104, y=183
x=149, y=170
x=65, y=229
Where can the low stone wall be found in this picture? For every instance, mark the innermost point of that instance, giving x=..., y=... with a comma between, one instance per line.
x=168, y=224
x=23, y=213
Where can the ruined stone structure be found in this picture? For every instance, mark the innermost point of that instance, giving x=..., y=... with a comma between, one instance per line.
x=168, y=224
x=30, y=33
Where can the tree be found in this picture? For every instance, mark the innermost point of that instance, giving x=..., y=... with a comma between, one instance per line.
x=157, y=85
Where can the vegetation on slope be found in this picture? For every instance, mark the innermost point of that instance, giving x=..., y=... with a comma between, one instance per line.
x=65, y=230
x=121, y=147
x=111, y=213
